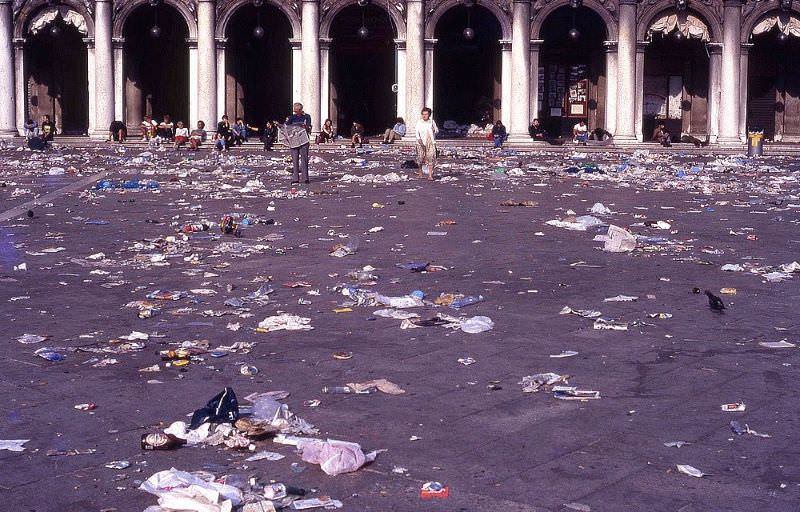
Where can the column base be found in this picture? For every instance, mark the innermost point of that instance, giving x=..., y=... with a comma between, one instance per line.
x=519, y=137
x=8, y=133
x=99, y=135
x=729, y=141
x=625, y=139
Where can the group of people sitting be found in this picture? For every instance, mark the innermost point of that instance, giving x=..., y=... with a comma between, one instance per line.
x=391, y=135
x=663, y=136
x=38, y=135
x=236, y=134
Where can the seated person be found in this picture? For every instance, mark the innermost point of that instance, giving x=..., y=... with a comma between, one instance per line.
x=499, y=133
x=357, y=134
x=397, y=132
x=31, y=129
x=601, y=135
x=580, y=133
x=166, y=129
x=326, y=134
x=148, y=128
x=224, y=132
x=48, y=129
x=662, y=135
x=181, y=135
x=221, y=143
x=239, y=131
x=117, y=131
x=269, y=134
x=197, y=136
x=536, y=131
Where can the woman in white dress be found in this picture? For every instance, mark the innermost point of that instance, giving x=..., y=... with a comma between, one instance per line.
x=426, y=142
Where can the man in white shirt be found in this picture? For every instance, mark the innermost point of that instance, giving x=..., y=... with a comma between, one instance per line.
x=580, y=132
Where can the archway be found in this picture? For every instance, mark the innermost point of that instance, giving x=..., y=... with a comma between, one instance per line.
x=572, y=70
x=56, y=70
x=676, y=75
x=156, y=65
x=467, y=70
x=773, y=90
x=258, y=64
x=362, y=69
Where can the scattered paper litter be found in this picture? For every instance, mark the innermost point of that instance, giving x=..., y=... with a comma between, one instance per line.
x=690, y=470
x=13, y=445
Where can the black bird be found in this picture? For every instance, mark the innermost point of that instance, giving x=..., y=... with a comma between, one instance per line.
x=714, y=302
x=30, y=214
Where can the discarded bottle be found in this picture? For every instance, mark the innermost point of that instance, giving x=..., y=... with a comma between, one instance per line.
x=337, y=390
x=194, y=228
x=161, y=442
x=278, y=491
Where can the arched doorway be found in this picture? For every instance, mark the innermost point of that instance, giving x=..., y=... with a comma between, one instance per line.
x=572, y=70
x=258, y=64
x=676, y=75
x=773, y=90
x=467, y=66
x=362, y=69
x=56, y=70
x=156, y=65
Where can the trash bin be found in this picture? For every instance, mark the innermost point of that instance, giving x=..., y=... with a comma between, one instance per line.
x=755, y=143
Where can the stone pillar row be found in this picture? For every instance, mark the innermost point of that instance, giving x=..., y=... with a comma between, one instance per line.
x=415, y=55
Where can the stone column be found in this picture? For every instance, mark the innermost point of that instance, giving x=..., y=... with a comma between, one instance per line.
x=400, y=65
x=626, y=72
x=730, y=69
x=415, y=72
x=297, y=73
x=743, y=70
x=714, y=81
x=610, y=48
x=520, y=70
x=91, y=79
x=325, y=93
x=194, y=81
x=535, y=46
x=221, y=81
x=119, y=79
x=103, y=69
x=310, y=90
x=505, y=82
x=430, y=44
x=7, y=106
x=206, y=62
x=19, y=84
x=638, y=103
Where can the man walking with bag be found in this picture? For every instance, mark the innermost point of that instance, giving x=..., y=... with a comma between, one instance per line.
x=295, y=135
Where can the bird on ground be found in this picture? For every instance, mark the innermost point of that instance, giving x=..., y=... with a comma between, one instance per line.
x=715, y=303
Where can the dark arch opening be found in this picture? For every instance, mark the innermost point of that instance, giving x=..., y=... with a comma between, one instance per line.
x=773, y=90
x=156, y=68
x=467, y=72
x=362, y=70
x=572, y=70
x=56, y=72
x=258, y=71
x=676, y=86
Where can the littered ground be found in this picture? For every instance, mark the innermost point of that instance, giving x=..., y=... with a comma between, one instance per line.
x=468, y=427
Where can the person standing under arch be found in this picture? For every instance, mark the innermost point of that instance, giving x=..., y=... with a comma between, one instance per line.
x=298, y=126
x=426, y=131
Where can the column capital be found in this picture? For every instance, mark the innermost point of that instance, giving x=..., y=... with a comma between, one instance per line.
x=95, y=1
x=430, y=43
x=400, y=44
x=206, y=1
x=610, y=46
x=505, y=45
x=536, y=43
x=627, y=2
x=19, y=42
x=731, y=3
x=325, y=43
x=88, y=41
x=221, y=42
x=118, y=42
x=296, y=44
x=6, y=2
x=191, y=42
x=714, y=48
x=310, y=1
x=641, y=46
x=746, y=48
x=521, y=1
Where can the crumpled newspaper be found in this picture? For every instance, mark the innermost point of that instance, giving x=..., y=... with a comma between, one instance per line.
x=197, y=492
x=285, y=322
x=617, y=240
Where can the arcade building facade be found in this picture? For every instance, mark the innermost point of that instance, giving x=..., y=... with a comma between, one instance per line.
x=709, y=68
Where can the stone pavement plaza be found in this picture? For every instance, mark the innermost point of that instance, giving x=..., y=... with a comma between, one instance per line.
x=482, y=227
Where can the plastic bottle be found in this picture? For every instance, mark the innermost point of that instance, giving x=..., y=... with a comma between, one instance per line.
x=337, y=390
x=194, y=227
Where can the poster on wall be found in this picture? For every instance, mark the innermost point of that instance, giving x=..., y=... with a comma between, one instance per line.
x=577, y=97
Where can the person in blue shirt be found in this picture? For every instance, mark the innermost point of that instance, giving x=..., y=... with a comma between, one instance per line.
x=397, y=132
x=300, y=153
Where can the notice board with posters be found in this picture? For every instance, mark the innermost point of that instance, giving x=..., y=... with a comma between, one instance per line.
x=576, y=100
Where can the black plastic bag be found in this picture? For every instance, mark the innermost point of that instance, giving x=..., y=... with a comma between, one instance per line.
x=222, y=408
x=409, y=164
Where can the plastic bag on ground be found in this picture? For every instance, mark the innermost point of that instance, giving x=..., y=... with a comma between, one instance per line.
x=334, y=457
x=286, y=323
x=477, y=324
x=617, y=240
x=382, y=385
x=180, y=490
x=222, y=408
